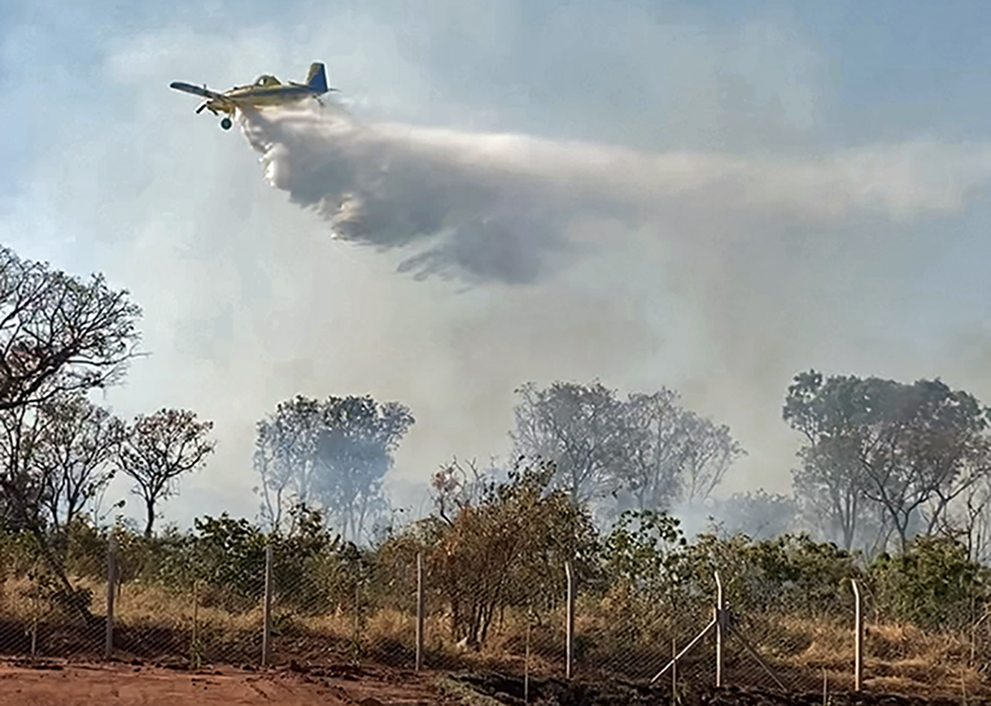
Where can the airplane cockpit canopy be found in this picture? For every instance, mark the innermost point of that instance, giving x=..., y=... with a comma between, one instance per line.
x=267, y=80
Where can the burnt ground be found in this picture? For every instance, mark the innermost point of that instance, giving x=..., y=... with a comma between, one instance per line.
x=553, y=692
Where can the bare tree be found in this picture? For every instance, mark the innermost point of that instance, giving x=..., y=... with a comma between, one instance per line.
x=24, y=490
x=285, y=457
x=158, y=449
x=59, y=334
x=75, y=443
x=710, y=450
x=22, y=484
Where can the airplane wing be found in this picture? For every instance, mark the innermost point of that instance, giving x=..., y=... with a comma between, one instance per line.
x=196, y=90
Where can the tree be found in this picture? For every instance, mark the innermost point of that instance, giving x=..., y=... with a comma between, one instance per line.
x=647, y=451
x=913, y=449
x=285, y=457
x=759, y=515
x=654, y=446
x=23, y=487
x=710, y=450
x=158, y=449
x=668, y=454
x=75, y=443
x=508, y=548
x=59, y=334
x=577, y=427
x=332, y=453
x=354, y=452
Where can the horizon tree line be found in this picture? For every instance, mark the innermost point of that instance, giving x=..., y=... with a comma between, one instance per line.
x=881, y=461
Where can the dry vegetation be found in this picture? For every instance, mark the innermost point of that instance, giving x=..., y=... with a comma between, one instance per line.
x=495, y=599
x=170, y=627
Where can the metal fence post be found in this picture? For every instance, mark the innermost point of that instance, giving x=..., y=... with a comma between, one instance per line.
x=267, y=629
x=570, y=630
x=108, y=648
x=720, y=629
x=858, y=637
x=420, y=610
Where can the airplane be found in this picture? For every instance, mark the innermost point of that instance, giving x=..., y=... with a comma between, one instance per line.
x=267, y=90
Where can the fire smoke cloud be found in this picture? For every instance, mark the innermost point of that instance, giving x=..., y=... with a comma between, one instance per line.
x=506, y=207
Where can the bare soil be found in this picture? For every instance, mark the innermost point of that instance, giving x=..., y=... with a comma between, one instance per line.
x=52, y=683
x=63, y=683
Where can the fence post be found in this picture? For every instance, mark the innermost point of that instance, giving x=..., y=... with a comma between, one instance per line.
x=570, y=630
x=108, y=648
x=858, y=637
x=720, y=629
x=267, y=629
x=420, y=610
x=674, y=670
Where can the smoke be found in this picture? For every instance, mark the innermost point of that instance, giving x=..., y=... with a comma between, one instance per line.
x=514, y=208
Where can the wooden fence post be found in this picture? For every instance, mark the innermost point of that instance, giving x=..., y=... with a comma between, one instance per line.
x=267, y=618
x=420, y=610
x=108, y=648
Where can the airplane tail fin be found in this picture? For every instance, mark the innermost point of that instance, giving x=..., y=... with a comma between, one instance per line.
x=317, y=78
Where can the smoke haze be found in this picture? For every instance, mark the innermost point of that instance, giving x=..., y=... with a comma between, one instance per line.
x=653, y=196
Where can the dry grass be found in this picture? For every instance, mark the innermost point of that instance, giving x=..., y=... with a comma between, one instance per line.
x=899, y=658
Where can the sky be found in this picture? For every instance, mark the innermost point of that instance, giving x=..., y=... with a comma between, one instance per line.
x=708, y=196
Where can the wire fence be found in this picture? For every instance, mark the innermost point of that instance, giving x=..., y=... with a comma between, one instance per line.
x=733, y=627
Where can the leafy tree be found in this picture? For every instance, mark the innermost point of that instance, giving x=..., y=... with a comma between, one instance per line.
x=645, y=548
x=332, y=453
x=354, y=452
x=158, y=449
x=577, y=427
x=759, y=515
x=508, y=549
x=59, y=334
x=654, y=445
x=830, y=484
x=913, y=449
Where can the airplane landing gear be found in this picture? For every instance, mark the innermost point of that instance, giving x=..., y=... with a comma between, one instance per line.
x=226, y=123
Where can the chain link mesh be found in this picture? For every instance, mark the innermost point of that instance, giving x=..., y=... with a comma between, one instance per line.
x=187, y=602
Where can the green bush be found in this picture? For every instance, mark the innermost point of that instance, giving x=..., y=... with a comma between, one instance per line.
x=933, y=584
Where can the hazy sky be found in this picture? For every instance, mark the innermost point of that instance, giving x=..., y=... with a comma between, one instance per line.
x=827, y=205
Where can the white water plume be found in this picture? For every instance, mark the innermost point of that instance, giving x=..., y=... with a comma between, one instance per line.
x=502, y=206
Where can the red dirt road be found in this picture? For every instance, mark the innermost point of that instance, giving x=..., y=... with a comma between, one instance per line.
x=70, y=684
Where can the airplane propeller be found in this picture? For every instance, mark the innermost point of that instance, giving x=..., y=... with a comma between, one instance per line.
x=202, y=106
